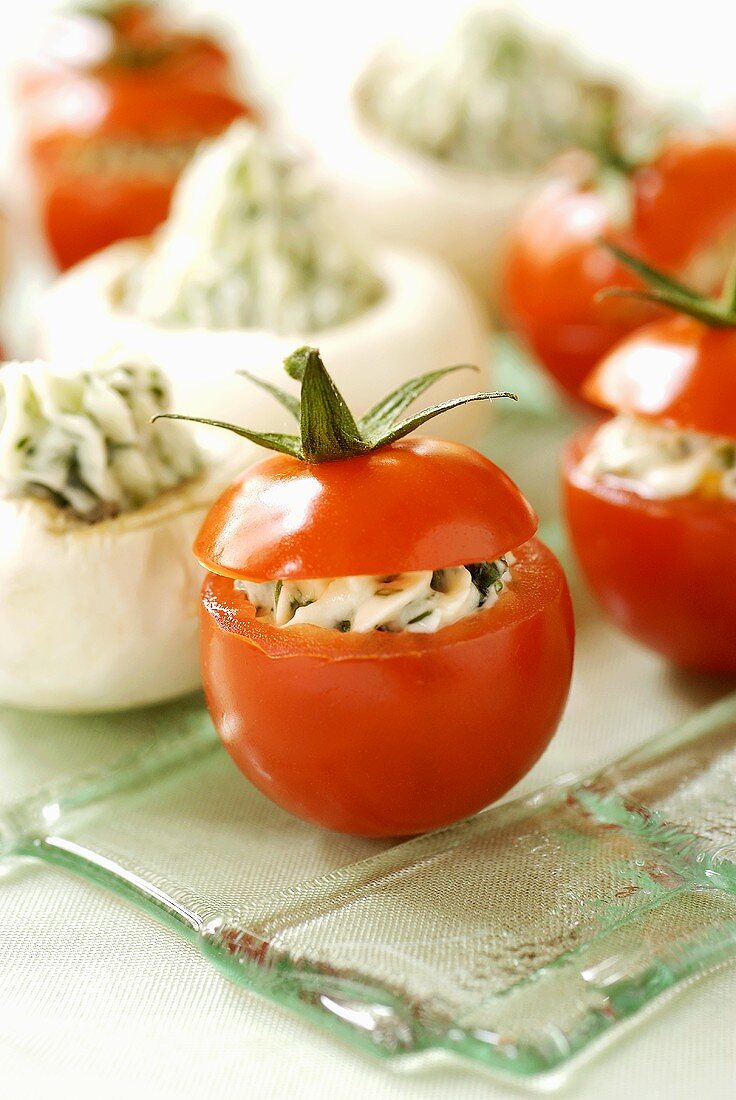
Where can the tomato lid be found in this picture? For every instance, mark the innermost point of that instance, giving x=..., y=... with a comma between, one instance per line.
x=176, y=111
x=354, y=496
x=413, y=505
x=681, y=369
x=677, y=370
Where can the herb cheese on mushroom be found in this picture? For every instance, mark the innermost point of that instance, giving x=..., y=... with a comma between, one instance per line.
x=256, y=258
x=98, y=508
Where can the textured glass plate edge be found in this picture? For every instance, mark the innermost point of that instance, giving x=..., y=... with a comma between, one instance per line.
x=369, y=1017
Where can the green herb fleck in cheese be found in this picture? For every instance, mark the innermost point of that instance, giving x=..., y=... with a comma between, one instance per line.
x=495, y=98
x=86, y=441
x=252, y=242
x=420, y=603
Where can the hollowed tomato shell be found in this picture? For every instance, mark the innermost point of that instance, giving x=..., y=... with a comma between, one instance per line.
x=676, y=370
x=664, y=570
x=391, y=734
x=417, y=504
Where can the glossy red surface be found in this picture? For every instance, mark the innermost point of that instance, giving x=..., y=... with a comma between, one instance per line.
x=681, y=205
x=675, y=370
x=391, y=734
x=138, y=42
x=108, y=133
x=554, y=268
x=664, y=570
x=686, y=198
x=416, y=504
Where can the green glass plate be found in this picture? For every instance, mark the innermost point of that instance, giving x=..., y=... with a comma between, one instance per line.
x=518, y=940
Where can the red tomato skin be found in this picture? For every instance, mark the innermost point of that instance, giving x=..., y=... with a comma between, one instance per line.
x=664, y=571
x=680, y=204
x=79, y=220
x=686, y=198
x=554, y=268
x=391, y=735
x=83, y=210
x=77, y=45
x=676, y=371
x=442, y=502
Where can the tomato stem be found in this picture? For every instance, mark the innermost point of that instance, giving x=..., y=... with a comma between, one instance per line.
x=728, y=294
x=327, y=428
x=668, y=292
x=111, y=11
x=603, y=138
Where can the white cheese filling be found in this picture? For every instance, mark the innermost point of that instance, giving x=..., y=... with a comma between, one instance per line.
x=252, y=242
x=660, y=462
x=86, y=441
x=495, y=97
x=420, y=603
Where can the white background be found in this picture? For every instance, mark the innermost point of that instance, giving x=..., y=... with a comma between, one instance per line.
x=684, y=49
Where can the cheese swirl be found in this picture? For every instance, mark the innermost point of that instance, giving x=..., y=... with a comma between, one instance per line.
x=86, y=441
x=252, y=242
x=420, y=603
x=661, y=462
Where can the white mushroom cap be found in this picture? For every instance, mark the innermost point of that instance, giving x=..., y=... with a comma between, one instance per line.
x=101, y=616
x=425, y=320
x=410, y=200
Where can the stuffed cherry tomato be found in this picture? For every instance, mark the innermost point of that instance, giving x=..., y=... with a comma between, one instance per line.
x=385, y=646
x=675, y=211
x=110, y=125
x=81, y=38
x=555, y=268
x=650, y=496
